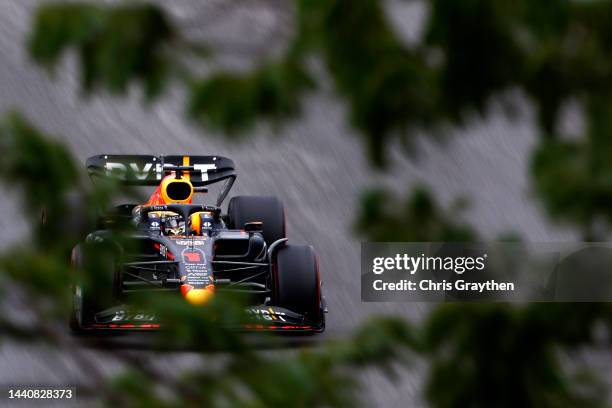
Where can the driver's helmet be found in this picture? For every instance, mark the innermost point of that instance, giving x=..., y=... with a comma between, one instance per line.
x=172, y=224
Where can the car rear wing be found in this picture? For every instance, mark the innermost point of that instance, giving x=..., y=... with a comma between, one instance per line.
x=148, y=170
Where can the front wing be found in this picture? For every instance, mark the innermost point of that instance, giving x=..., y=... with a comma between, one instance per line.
x=256, y=318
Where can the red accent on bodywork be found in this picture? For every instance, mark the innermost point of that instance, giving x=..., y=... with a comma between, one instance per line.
x=126, y=326
x=185, y=289
x=192, y=257
x=273, y=327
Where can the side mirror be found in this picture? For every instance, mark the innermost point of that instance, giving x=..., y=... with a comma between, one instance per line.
x=254, y=226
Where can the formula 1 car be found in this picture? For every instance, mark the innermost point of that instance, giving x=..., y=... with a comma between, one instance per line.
x=195, y=250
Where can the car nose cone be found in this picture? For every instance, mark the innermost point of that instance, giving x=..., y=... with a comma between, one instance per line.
x=198, y=296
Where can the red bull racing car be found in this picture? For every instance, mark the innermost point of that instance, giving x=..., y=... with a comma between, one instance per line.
x=196, y=251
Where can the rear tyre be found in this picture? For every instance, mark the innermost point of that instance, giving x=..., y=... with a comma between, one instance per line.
x=296, y=281
x=268, y=210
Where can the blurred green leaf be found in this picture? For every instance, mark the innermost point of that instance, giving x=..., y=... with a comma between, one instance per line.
x=233, y=102
x=115, y=44
x=417, y=218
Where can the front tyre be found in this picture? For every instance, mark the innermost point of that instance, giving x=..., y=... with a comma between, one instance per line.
x=82, y=308
x=94, y=279
x=296, y=281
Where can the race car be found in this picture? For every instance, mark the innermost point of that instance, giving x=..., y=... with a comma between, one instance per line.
x=195, y=250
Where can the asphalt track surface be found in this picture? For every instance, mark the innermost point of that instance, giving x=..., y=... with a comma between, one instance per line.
x=315, y=164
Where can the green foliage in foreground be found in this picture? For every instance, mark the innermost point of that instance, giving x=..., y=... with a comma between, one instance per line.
x=115, y=46
x=502, y=355
x=471, y=51
x=574, y=177
x=383, y=217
